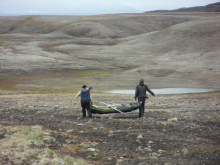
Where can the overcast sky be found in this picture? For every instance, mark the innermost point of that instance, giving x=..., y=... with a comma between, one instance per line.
x=87, y=7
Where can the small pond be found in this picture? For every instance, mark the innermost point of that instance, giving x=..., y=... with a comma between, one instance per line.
x=166, y=91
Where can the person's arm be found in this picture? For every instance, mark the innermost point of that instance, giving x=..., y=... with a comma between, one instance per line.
x=152, y=93
x=78, y=94
x=90, y=99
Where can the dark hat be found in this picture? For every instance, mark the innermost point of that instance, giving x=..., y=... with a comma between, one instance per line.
x=84, y=86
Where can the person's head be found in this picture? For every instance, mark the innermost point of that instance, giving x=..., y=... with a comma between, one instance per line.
x=141, y=80
x=84, y=86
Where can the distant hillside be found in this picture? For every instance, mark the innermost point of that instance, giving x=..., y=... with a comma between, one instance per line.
x=109, y=26
x=110, y=51
x=215, y=7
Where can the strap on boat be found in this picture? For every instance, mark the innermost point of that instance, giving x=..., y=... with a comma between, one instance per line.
x=113, y=108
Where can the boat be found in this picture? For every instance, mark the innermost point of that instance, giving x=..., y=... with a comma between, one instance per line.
x=117, y=108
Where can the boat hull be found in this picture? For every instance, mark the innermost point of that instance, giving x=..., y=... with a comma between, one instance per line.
x=128, y=107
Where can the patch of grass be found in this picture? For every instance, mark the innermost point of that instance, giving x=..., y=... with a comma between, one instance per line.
x=4, y=41
x=50, y=152
x=96, y=156
x=157, y=107
x=28, y=155
x=7, y=83
x=168, y=30
x=51, y=139
x=170, y=153
x=88, y=144
x=16, y=146
x=80, y=163
x=42, y=82
x=204, y=150
x=36, y=137
x=31, y=157
x=21, y=129
x=68, y=159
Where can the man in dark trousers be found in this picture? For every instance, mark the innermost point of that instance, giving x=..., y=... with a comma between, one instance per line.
x=86, y=99
x=140, y=92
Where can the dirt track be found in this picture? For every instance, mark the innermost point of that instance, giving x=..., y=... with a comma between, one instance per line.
x=176, y=129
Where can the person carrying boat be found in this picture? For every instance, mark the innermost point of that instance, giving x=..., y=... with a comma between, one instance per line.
x=86, y=99
x=140, y=93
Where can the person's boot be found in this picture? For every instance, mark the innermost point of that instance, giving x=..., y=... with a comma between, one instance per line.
x=84, y=113
x=89, y=113
x=140, y=112
x=143, y=109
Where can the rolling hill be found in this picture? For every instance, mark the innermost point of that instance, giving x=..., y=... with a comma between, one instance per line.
x=214, y=7
x=180, y=50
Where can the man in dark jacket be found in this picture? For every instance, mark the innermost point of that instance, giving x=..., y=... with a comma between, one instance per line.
x=140, y=92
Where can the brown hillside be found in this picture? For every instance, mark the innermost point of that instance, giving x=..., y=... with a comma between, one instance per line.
x=114, y=50
x=214, y=7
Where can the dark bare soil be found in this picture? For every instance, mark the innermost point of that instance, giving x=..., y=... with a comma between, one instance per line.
x=176, y=129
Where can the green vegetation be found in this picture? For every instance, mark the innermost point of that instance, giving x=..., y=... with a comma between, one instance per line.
x=96, y=156
x=68, y=159
x=22, y=129
x=40, y=82
x=36, y=137
x=17, y=146
x=50, y=152
x=81, y=163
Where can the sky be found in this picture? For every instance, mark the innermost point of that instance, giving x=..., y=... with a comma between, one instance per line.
x=92, y=7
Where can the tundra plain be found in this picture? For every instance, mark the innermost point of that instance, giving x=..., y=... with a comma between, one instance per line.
x=44, y=61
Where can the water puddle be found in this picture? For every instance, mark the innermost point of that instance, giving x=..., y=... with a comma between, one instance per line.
x=166, y=91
